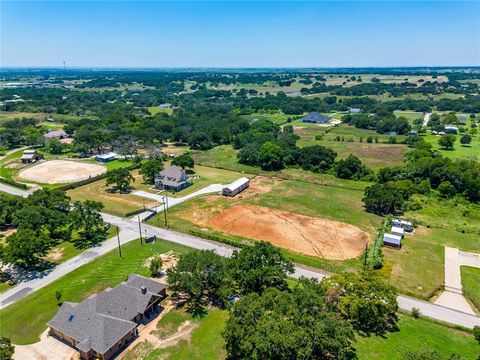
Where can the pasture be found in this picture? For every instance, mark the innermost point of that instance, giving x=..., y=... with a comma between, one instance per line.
x=154, y=110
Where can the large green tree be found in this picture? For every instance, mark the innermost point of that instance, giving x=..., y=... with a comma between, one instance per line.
x=365, y=300
x=284, y=325
x=6, y=349
x=26, y=248
x=200, y=277
x=382, y=199
x=447, y=141
x=87, y=219
x=349, y=168
x=258, y=267
x=185, y=161
x=270, y=156
x=150, y=169
x=121, y=178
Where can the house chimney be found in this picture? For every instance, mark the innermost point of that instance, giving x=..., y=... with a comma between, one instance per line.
x=144, y=290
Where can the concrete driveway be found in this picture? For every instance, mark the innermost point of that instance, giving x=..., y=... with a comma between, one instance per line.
x=48, y=348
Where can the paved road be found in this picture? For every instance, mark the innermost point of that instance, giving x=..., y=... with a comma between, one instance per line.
x=13, y=190
x=12, y=151
x=130, y=231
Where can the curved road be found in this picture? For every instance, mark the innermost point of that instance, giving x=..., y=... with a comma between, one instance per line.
x=130, y=231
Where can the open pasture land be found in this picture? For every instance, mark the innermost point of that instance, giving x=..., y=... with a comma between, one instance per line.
x=11, y=115
x=338, y=79
x=276, y=116
x=269, y=86
x=373, y=154
x=471, y=151
x=156, y=110
x=61, y=171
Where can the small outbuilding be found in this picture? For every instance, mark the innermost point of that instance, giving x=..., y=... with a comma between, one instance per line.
x=406, y=225
x=106, y=157
x=354, y=111
x=392, y=240
x=30, y=156
x=236, y=187
x=396, y=230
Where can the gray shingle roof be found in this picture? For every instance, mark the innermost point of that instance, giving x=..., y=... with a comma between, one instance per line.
x=172, y=176
x=100, y=321
x=316, y=117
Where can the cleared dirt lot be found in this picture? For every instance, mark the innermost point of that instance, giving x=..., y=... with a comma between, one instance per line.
x=61, y=171
x=320, y=237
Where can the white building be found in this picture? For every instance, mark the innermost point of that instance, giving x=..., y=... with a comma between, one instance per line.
x=392, y=240
x=406, y=225
x=396, y=230
x=236, y=187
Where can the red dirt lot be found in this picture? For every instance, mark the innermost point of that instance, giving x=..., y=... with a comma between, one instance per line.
x=328, y=239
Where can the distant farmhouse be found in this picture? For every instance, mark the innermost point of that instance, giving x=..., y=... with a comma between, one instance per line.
x=236, y=187
x=354, y=111
x=317, y=118
x=172, y=178
x=55, y=134
x=451, y=129
x=105, y=323
x=30, y=156
x=106, y=157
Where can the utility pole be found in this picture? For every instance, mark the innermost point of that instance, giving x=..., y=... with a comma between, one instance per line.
x=118, y=239
x=366, y=255
x=140, y=230
x=165, y=213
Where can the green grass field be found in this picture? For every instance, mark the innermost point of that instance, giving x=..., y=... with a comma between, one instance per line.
x=354, y=142
x=26, y=319
x=277, y=116
x=156, y=110
x=417, y=334
x=471, y=284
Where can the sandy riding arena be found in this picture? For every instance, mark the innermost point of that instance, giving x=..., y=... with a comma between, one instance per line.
x=61, y=171
x=324, y=238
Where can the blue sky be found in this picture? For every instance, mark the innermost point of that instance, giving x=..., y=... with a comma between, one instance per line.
x=239, y=34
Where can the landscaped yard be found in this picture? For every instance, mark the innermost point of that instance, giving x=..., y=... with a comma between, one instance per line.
x=204, y=342
x=26, y=319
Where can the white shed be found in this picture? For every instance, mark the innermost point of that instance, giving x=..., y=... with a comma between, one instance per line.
x=392, y=240
x=236, y=187
x=396, y=230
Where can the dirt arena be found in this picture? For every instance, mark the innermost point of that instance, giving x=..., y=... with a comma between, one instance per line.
x=324, y=238
x=61, y=171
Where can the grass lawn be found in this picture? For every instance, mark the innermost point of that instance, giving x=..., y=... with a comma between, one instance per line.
x=206, y=341
x=471, y=284
x=416, y=269
x=13, y=156
x=11, y=115
x=156, y=110
x=278, y=116
x=223, y=157
x=26, y=319
x=115, y=203
x=417, y=334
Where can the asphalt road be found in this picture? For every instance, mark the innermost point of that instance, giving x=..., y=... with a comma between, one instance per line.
x=130, y=231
